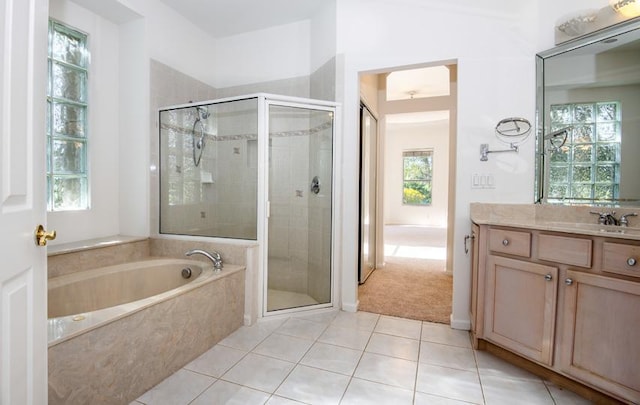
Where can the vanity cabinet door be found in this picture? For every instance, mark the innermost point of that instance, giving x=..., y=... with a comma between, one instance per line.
x=520, y=307
x=601, y=333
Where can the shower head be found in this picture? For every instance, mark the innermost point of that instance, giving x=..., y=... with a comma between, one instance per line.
x=203, y=113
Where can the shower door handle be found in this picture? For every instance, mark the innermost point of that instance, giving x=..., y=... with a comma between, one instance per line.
x=268, y=209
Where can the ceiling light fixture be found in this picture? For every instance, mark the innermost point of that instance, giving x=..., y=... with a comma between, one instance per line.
x=627, y=8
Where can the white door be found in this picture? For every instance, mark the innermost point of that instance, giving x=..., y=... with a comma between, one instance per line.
x=23, y=279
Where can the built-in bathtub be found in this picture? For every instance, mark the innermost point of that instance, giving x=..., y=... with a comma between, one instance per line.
x=116, y=331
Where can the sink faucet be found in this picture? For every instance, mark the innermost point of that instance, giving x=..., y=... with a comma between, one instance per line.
x=623, y=219
x=609, y=218
x=215, y=257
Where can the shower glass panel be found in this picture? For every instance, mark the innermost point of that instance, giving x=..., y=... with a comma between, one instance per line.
x=300, y=199
x=209, y=169
x=368, y=193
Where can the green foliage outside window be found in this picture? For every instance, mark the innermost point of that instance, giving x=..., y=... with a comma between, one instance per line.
x=417, y=176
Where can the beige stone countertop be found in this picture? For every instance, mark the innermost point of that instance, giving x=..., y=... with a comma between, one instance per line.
x=566, y=219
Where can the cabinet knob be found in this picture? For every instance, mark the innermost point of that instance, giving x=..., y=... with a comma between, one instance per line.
x=548, y=277
x=505, y=242
x=568, y=281
x=631, y=261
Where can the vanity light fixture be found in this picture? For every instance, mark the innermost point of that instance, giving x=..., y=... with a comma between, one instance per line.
x=578, y=24
x=627, y=8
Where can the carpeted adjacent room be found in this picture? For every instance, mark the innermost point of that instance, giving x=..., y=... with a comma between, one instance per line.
x=413, y=283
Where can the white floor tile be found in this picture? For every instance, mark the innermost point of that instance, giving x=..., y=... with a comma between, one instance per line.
x=449, y=383
x=216, y=361
x=399, y=327
x=276, y=400
x=447, y=356
x=222, y=392
x=259, y=372
x=361, y=392
x=302, y=328
x=394, y=346
x=441, y=333
x=502, y=391
x=322, y=317
x=490, y=365
x=247, y=337
x=428, y=399
x=359, y=320
x=346, y=337
x=563, y=396
x=387, y=370
x=314, y=386
x=332, y=358
x=284, y=347
x=179, y=388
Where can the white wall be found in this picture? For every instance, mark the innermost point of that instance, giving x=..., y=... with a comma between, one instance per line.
x=401, y=137
x=103, y=156
x=495, y=57
x=271, y=54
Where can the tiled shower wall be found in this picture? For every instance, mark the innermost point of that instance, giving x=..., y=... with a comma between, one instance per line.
x=301, y=225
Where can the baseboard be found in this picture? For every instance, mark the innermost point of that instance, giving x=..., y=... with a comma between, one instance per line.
x=462, y=324
x=350, y=307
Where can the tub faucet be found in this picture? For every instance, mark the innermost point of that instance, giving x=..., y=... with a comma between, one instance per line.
x=215, y=257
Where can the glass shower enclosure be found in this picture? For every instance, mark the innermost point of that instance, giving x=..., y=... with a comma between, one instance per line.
x=256, y=167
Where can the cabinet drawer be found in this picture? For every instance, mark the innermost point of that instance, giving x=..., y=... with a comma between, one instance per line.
x=511, y=242
x=622, y=259
x=565, y=250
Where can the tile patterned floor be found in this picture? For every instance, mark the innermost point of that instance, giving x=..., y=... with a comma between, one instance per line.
x=351, y=358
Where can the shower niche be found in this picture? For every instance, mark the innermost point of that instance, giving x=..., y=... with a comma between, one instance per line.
x=256, y=167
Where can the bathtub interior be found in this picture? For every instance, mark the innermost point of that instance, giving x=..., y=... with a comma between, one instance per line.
x=119, y=284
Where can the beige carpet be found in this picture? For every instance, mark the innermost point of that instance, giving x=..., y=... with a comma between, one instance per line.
x=409, y=288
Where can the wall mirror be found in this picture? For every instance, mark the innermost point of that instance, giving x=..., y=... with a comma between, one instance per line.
x=588, y=117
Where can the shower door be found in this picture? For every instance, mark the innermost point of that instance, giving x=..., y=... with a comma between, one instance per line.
x=368, y=193
x=299, y=224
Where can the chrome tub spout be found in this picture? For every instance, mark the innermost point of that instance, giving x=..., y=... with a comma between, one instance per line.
x=215, y=257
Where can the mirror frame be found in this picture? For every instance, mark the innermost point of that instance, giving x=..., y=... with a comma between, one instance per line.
x=586, y=40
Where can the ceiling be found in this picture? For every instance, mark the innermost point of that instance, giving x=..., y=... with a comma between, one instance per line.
x=222, y=18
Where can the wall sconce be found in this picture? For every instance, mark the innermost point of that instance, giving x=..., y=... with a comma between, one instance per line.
x=627, y=8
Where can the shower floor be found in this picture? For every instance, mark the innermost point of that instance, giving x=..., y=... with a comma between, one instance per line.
x=279, y=299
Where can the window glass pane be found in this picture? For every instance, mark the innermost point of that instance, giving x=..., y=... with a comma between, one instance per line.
x=67, y=182
x=582, y=174
x=583, y=113
x=587, y=166
x=69, y=119
x=68, y=83
x=68, y=157
x=607, y=112
x=417, y=172
x=581, y=191
x=560, y=114
x=583, y=134
x=68, y=193
x=607, y=152
x=559, y=174
x=67, y=46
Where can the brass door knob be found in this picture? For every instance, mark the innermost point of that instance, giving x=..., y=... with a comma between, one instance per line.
x=43, y=236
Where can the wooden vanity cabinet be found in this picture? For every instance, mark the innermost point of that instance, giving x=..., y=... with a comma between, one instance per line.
x=520, y=310
x=568, y=302
x=601, y=333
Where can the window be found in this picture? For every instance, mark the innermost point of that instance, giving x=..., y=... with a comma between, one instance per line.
x=417, y=169
x=67, y=182
x=587, y=166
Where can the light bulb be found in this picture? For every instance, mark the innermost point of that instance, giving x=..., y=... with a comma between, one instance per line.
x=626, y=8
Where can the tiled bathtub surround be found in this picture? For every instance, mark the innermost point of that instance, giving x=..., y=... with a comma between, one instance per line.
x=117, y=362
